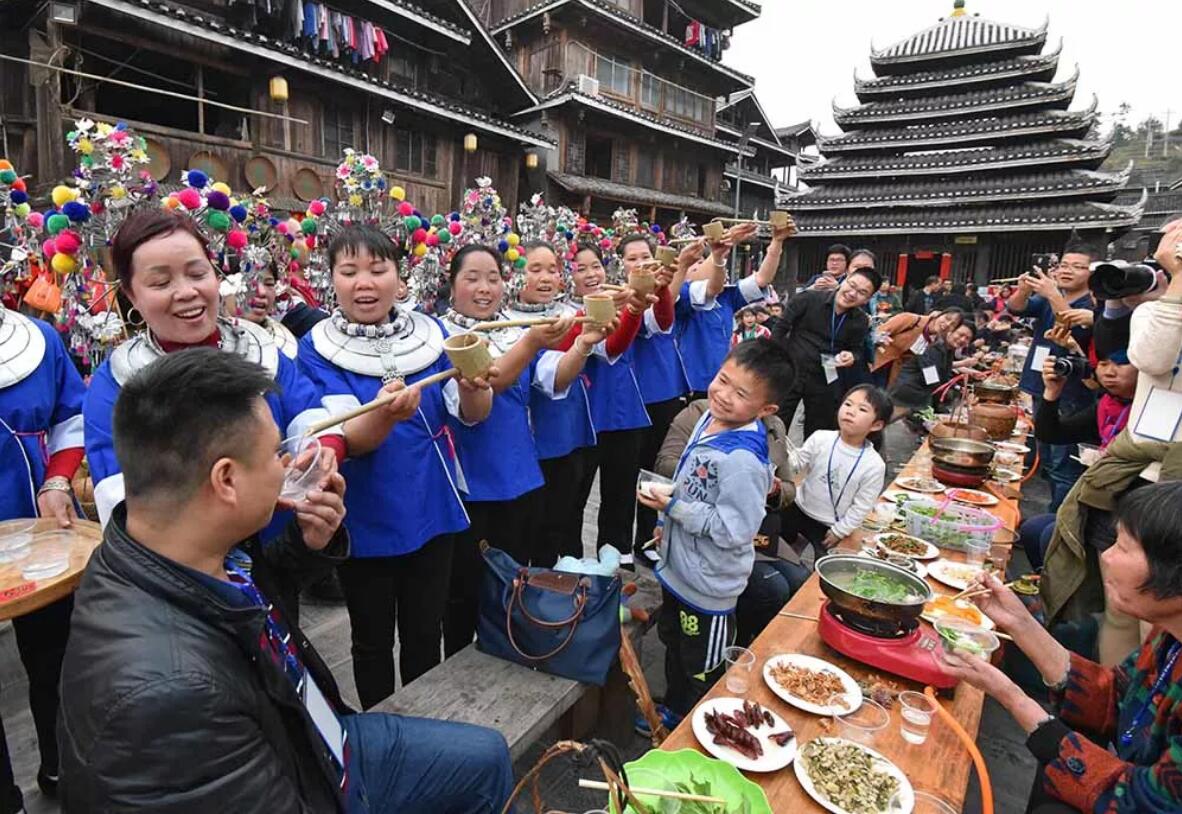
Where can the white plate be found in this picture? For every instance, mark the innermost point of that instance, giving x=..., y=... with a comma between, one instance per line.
x=1006, y=475
x=940, y=572
x=892, y=495
x=912, y=479
x=852, y=690
x=955, y=494
x=930, y=553
x=774, y=757
x=1010, y=446
x=932, y=618
x=905, y=789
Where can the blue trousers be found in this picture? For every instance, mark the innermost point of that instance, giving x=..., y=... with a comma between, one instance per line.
x=403, y=765
x=1035, y=535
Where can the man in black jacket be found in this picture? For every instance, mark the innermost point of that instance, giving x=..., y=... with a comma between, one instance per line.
x=924, y=300
x=824, y=332
x=185, y=688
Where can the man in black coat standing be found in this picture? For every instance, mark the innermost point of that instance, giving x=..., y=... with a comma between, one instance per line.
x=185, y=686
x=923, y=301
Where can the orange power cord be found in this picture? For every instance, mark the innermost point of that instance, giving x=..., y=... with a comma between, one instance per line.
x=974, y=752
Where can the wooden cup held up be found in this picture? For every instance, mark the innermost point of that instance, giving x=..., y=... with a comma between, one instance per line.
x=642, y=281
x=468, y=354
x=667, y=256
x=714, y=231
x=600, y=308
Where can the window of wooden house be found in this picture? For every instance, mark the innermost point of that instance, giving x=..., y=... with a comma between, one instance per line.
x=599, y=156
x=337, y=130
x=404, y=69
x=614, y=77
x=650, y=92
x=646, y=169
x=415, y=153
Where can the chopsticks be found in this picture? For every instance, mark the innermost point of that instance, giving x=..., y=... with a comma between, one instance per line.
x=599, y=785
x=792, y=615
x=381, y=401
x=969, y=593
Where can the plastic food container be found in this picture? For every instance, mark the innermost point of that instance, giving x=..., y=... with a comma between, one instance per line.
x=16, y=537
x=961, y=638
x=959, y=528
x=50, y=556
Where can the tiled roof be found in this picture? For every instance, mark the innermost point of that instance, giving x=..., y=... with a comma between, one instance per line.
x=971, y=189
x=960, y=34
x=626, y=193
x=1030, y=67
x=570, y=93
x=1160, y=207
x=638, y=25
x=289, y=54
x=1022, y=216
x=1022, y=94
x=1089, y=154
x=964, y=132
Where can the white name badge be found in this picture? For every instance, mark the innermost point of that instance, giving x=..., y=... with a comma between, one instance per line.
x=1160, y=416
x=1040, y=355
x=829, y=364
x=931, y=375
x=327, y=722
x=919, y=346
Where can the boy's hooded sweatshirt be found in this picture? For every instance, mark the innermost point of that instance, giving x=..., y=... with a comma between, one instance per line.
x=720, y=491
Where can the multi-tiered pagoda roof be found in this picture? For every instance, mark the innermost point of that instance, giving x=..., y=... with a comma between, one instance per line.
x=966, y=122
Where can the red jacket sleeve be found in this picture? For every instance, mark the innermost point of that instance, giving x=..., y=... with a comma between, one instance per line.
x=663, y=309
x=64, y=463
x=622, y=337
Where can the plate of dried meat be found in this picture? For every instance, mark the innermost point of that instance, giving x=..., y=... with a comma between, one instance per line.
x=807, y=683
x=744, y=734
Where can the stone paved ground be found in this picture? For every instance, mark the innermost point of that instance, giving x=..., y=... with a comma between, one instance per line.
x=1010, y=765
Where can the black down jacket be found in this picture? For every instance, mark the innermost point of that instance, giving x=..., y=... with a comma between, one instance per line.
x=170, y=704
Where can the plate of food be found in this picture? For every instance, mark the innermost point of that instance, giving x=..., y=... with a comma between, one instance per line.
x=917, y=483
x=1011, y=446
x=973, y=497
x=1006, y=476
x=943, y=607
x=744, y=734
x=895, y=495
x=914, y=566
x=848, y=778
x=956, y=575
x=808, y=683
x=907, y=546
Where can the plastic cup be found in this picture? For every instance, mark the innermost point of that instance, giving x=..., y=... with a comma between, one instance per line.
x=739, y=663
x=863, y=724
x=925, y=803
x=915, y=716
x=651, y=484
x=49, y=557
x=958, y=637
x=16, y=537
x=975, y=551
x=301, y=455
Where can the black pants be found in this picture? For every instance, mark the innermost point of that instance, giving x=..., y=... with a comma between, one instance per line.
x=408, y=592
x=505, y=524
x=694, y=644
x=41, y=641
x=820, y=409
x=794, y=522
x=559, y=517
x=617, y=459
x=661, y=413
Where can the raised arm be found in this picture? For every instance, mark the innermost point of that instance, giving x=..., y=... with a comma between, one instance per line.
x=766, y=273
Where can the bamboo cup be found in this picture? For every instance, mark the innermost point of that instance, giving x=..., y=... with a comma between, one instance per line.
x=777, y=219
x=714, y=231
x=667, y=256
x=600, y=308
x=469, y=355
x=642, y=281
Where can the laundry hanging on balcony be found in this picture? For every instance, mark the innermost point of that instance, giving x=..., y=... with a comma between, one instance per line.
x=314, y=26
x=710, y=41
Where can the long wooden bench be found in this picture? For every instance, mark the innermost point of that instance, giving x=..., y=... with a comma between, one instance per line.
x=474, y=687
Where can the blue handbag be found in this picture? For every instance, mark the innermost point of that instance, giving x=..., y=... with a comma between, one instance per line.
x=560, y=623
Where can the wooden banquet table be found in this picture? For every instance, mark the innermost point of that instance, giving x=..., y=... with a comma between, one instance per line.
x=19, y=596
x=940, y=766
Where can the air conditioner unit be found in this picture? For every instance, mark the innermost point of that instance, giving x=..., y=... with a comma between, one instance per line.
x=588, y=85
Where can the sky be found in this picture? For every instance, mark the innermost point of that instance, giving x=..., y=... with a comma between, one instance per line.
x=803, y=53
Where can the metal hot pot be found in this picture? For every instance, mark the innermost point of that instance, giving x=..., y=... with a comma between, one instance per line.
x=837, y=570
x=962, y=452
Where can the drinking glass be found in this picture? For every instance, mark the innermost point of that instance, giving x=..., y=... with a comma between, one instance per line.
x=650, y=483
x=863, y=724
x=301, y=457
x=915, y=716
x=739, y=663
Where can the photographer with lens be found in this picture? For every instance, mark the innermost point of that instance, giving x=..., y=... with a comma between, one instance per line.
x=1145, y=451
x=1058, y=300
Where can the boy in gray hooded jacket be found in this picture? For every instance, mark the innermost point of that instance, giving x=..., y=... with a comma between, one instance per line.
x=710, y=520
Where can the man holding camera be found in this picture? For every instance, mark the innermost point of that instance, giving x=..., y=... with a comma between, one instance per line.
x=1061, y=306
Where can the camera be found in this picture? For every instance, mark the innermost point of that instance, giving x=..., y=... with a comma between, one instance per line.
x=1046, y=262
x=1068, y=366
x=1114, y=279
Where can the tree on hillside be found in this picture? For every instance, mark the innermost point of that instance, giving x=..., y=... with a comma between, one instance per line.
x=1122, y=133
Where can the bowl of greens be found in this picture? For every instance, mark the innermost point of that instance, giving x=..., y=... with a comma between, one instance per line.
x=871, y=590
x=964, y=638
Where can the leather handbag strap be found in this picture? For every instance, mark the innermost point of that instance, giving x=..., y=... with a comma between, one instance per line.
x=515, y=599
x=580, y=601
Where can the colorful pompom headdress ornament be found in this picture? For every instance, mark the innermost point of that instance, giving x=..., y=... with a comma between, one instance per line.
x=112, y=176
x=18, y=232
x=557, y=226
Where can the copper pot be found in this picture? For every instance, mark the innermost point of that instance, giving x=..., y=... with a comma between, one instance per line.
x=958, y=429
x=996, y=419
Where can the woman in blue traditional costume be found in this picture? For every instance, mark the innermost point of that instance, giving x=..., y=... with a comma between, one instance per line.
x=40, y=449
x=404, y=503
